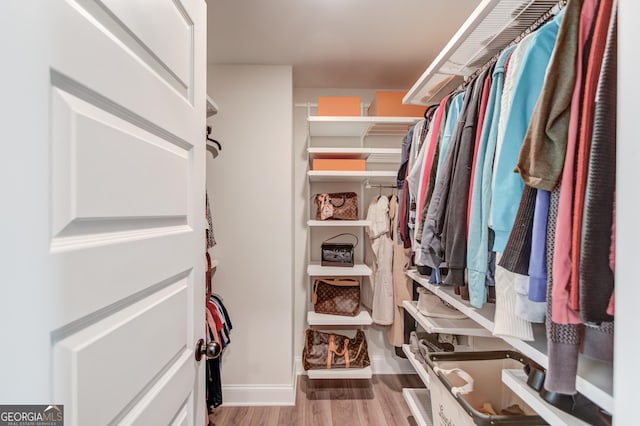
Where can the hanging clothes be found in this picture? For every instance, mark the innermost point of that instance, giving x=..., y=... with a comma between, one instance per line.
x=455, y=230
x=211, y=241
x=402, y=286
x=561, y=310
x=478, y=246
x=596, y=263
x=381, y=247
x=542, y=154
x=528, y=78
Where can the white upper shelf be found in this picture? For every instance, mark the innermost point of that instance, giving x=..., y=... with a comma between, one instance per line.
x=492, y=26
x=212, y=107
x=393, y=154
x=373, y=176
x=357, y=270
x=359, y=126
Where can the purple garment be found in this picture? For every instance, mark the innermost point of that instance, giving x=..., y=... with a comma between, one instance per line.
x=537, y=261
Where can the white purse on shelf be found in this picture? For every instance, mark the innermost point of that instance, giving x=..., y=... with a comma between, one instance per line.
x=431, y=305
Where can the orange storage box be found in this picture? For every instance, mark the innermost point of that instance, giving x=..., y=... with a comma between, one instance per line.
x=389, y=104
x=339, y=105
x=339, y=164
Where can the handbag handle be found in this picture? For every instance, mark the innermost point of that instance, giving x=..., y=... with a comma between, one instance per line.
x=457, y=390
x=343, y=198
x=344, y=233
x=334, y=350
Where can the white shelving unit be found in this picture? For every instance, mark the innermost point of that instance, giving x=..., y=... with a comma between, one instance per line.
x=378, y=141
x=417, y=365
x=419, y=402
x=363, y=318
x=341, y=373
x=466, y=327
x=516, y=380
x=212, y=107
x=595, y=378
x=358, y=270
x=338, y=223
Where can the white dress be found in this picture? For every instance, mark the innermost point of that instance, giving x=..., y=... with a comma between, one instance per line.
x=382, y=251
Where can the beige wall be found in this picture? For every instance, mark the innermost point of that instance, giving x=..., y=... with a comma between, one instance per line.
x=250, y=185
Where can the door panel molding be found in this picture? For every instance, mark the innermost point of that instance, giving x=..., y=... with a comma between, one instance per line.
x=172, y=61
x=137, y=345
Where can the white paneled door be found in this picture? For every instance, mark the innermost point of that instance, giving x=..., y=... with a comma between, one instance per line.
x=102, y=233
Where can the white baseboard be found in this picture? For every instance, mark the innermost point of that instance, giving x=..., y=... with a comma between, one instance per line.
x=259, y=395
x=379, y=365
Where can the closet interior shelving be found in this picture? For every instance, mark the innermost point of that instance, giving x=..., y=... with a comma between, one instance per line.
x=347, y=137
x=492, y=26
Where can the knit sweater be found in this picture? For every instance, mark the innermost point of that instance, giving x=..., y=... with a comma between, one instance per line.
x=596, y=273
x=592, y=76
x=561, y=309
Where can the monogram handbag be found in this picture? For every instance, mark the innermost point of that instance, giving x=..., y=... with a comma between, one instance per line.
x=337, y=206
x=336, y=296
x=328, y=350
x=337, y=254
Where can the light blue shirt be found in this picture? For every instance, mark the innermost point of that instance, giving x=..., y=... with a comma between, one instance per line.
x=449, y=127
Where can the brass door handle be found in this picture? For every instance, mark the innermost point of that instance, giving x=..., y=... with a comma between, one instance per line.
x=211, y=350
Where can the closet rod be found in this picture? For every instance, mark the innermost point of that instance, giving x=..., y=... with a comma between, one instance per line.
x=373, y=186
x=543, y=19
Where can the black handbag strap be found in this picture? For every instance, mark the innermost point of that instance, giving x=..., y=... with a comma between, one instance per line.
x=344, y=233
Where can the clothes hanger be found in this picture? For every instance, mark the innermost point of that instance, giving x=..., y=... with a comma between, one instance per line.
x=213, y=140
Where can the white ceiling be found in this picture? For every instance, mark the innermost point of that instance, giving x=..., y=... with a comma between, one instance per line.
x=359, y=44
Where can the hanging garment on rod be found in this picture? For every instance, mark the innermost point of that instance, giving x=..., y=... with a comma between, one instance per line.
x=381, y=214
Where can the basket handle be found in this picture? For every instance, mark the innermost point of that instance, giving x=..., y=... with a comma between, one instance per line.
x=458, y=390
x=344, y=233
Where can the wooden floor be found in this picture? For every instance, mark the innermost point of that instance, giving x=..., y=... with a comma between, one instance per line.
x=374, y=402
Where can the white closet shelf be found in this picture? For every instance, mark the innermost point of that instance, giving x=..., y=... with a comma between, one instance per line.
x=373, y=155
x=417, y=365
x=341, y=373
x=419, y=402
x=357, y=270
x=373, y=176
x=351, y=153
x=467, y=327
x=516, y=380
x=363, y=318
x=595, y=378
x=212, y=107
x=359, y=126
x=488, y=30
x=340, y=223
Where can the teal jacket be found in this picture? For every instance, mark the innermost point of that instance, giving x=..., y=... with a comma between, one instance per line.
x=528, y=82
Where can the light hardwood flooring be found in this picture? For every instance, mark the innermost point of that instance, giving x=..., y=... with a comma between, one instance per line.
x=375, y=402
